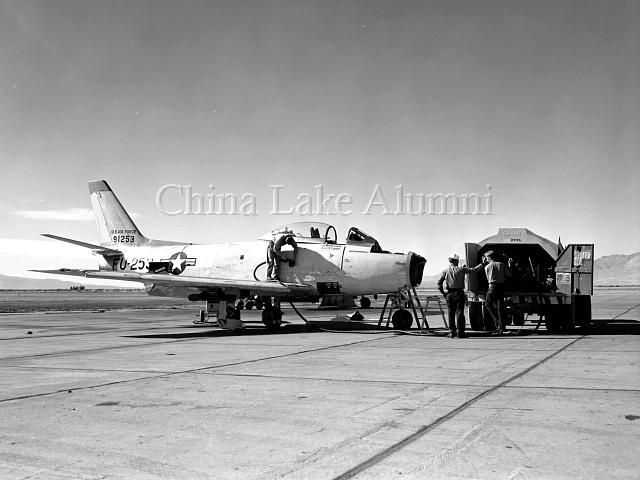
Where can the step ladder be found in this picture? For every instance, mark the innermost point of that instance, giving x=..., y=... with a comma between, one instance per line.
x=437, y=299
x=405, y=298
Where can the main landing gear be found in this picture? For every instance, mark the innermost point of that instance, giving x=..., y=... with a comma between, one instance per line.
x=227, y=315
x=272, y=314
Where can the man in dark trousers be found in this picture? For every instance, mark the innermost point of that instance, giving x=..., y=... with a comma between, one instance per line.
x=454, y=278
x=497, y=274
x=271, y=260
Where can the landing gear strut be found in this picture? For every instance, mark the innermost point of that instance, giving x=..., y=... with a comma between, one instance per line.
x=226, y=314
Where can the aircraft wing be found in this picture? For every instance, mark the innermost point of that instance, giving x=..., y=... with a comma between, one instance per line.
x=200, y=284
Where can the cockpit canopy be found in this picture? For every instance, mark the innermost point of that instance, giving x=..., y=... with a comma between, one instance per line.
x=318, y=232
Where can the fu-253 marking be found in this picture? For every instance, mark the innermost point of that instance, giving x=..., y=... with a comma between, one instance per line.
x=133, y=264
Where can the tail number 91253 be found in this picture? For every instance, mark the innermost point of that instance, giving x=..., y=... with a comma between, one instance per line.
x=124, y=238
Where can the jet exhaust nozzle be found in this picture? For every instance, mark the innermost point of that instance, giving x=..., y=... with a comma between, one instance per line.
x=415, y=269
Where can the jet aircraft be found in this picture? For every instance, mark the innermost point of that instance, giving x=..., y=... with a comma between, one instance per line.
x=221, y=274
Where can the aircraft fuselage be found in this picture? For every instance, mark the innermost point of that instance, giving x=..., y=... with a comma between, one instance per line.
x=329, y=268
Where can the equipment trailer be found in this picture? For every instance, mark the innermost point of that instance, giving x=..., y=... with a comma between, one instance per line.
x=547, y=280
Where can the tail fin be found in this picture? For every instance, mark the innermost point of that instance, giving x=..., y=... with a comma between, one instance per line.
x=115, y=226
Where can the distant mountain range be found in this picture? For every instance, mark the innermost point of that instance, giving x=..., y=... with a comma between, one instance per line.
x=618, y=270
x=609, y=270
x=21, y=283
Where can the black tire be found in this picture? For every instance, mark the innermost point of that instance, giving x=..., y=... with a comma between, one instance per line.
x=402, y=319
x=271, y=318
x=233, y=313
x=249, y=305
x=259, y=304
x=581, y=311
x=553, y=321
x=517, y=318
x=475, y=316
x=365, y=303
x=560, y=320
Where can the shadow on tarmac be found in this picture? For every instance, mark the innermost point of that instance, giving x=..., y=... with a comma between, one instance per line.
x=251, y=329
x=615, y=327
x=599, y=327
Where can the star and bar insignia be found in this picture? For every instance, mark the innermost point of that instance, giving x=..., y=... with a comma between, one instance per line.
x=178, y=262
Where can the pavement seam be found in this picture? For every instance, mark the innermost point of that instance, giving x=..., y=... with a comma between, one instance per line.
x=93, y=350
x=328, y=379
x=181, y=372
x=625, y=312
x=377, y=458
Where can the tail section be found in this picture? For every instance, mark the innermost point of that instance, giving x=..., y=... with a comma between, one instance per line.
x=115, y=226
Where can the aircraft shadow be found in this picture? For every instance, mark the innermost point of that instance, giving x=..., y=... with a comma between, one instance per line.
x=615, y=327
x=259, y=329
x=599, y=327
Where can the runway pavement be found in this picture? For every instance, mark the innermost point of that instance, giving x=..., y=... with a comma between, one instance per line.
x=147, y=394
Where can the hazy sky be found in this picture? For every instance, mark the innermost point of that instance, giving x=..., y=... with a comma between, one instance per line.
x=539, y=99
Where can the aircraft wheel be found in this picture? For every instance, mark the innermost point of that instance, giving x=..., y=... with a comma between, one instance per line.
x=271, y=318
x=365, y=302
x=402, y=319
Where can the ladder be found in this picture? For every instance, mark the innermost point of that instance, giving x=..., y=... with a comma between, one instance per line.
x=436, y=298
x=405, y=298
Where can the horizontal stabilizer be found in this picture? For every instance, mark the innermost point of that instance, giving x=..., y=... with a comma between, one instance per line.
x=63, y=271
x=96, y=248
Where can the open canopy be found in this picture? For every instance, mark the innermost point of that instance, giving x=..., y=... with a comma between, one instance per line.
x=318, y=232
x=315, y=232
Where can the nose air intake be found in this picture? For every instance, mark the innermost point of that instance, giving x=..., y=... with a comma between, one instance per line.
x=415, y=269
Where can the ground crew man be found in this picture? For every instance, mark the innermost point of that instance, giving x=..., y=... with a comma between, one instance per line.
x=497, y=274
x=275, y=253
x=270, y=260
x=454, y=278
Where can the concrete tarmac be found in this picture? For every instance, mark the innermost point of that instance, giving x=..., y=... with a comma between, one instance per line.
x=148, y=395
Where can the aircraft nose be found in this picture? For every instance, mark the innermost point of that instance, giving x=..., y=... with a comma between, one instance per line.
x=415, y=268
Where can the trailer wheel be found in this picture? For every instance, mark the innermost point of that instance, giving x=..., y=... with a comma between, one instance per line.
x=402, y=319
x=249, y=305
x=475, y=316
x=517, y=318
x=553, y=321
x=581, y=311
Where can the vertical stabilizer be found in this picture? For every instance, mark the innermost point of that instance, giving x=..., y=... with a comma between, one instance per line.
x=115, y=226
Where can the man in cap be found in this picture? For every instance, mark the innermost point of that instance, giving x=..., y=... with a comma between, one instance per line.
x=454, y=278
x=497, y=274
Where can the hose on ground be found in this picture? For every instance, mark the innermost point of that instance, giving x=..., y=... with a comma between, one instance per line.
x=320, y=329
